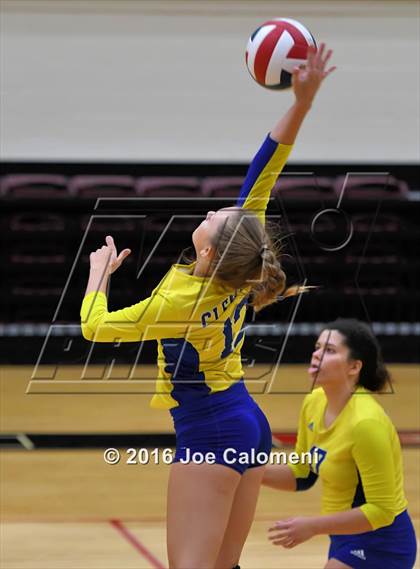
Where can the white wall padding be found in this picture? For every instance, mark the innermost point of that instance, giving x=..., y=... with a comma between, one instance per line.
x=166, y=81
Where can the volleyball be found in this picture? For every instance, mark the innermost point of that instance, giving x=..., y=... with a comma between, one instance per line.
x=274, y=49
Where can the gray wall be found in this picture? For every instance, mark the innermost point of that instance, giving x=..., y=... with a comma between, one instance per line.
x=166, y=81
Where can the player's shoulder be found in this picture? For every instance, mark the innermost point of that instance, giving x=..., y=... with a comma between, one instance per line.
x=314, y=398
x=366, y=410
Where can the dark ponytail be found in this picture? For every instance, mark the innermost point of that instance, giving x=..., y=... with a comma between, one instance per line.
x=364, y=346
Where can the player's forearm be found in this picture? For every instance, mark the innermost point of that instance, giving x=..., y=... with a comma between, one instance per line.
x=349, y=522
x=98, y=281
x=286, y=130
x=279, y=477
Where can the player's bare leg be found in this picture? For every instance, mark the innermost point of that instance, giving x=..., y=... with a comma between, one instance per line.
x=241, y=517
x=335, y=564
x=200, y=498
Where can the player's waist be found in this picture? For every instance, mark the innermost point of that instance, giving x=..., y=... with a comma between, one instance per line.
x=231, y=396
x=397, y=530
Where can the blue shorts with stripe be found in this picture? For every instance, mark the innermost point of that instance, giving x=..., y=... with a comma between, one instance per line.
x=390, y=547
x=226, y=427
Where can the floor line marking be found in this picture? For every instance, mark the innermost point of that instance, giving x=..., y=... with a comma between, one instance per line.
x=137, y=544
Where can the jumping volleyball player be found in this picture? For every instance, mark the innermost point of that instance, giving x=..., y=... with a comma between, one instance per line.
x=196, y=315
x=358, y=458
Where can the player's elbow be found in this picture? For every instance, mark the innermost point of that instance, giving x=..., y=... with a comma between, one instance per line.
x=93, y=327
x=386, y=519
x=378, y=515
x=87, y=332
x=90, y=328
x=306, y=483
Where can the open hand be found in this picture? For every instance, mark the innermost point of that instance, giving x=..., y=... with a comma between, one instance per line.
x=106, y=257
x=291, y=532
x=307, y=78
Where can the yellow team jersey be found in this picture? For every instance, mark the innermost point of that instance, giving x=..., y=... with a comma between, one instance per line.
x=197, y=322
x=358, y=457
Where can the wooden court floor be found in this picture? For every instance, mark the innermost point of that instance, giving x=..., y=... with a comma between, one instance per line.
x=67, y=509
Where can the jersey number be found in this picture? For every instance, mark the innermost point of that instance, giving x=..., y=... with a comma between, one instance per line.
x=318, y=456
x=230, y=341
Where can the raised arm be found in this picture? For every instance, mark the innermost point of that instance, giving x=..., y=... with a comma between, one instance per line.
x=104, y=262
x=261, y=177
x=272, y=156
x=150, y=319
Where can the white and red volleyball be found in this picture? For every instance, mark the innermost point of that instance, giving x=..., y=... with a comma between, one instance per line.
x=274, y=49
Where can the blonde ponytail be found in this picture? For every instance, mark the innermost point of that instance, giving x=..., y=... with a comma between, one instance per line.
x=272, y=286
x=246, y=257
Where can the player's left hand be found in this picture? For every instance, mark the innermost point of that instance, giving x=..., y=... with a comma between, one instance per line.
x=291, y=532
x=106, y=257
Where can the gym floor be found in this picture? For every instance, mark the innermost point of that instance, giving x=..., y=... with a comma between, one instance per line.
x=63, y=509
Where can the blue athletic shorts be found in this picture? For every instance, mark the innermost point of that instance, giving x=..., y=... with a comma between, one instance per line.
x=390, y=547
x=226, y=427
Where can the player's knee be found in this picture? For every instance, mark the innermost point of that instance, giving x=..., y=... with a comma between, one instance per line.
x=191, y=562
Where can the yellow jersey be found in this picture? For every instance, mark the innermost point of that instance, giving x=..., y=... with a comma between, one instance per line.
x=358, y=457
x=196, y=321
